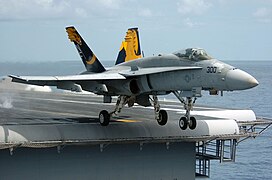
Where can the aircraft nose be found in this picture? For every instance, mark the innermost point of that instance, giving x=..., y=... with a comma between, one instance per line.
x=239, y=80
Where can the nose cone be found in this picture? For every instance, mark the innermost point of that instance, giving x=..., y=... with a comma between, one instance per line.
x=239, y=80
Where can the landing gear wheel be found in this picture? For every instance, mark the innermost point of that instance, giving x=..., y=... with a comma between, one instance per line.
x=104, y=118
x=183, y=123
x=192, y=123
x=162, y=117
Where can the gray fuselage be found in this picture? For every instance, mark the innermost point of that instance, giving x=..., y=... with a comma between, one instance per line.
x=213, y=75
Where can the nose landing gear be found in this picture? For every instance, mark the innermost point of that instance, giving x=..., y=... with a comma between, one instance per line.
x=184, y=123
x=187, y=120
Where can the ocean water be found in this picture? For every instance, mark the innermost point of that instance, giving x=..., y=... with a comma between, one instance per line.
x=253, y=158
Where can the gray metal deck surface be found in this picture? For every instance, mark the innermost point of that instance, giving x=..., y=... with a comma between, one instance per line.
x=72, y=118
x=132, y=141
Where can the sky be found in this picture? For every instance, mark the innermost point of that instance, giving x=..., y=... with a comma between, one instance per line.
x=34, y=30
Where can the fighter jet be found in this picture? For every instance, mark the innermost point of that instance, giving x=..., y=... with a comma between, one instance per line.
x=136, y=79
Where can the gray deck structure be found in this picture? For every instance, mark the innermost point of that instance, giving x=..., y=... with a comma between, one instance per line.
x=46, y=135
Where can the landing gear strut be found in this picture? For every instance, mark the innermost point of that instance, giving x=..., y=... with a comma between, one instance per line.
x=104, y=116
x=160, y=115
x=187, y=120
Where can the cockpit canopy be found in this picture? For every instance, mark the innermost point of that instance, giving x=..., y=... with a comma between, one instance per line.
x=194, y=54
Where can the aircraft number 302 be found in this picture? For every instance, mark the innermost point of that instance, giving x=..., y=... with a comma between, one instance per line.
x=211, y=69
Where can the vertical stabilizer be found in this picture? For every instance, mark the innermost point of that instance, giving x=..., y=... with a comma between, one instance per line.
x=130, y=48
x=89, y=59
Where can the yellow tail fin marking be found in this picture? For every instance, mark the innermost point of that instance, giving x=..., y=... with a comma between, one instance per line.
x=92, y=60
x=131, y=45
x=73, y=35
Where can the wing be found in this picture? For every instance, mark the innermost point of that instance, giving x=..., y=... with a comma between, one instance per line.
x=54, y=80
x=77, y=82
x=145, y=71
x=121, y=75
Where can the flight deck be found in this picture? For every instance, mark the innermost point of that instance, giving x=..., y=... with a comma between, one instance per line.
x=76, y=116
x=42, y=132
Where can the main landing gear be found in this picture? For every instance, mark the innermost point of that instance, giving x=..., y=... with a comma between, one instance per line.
x=160, y=115
x=104, y=116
